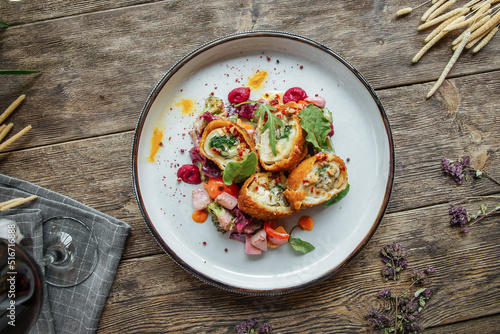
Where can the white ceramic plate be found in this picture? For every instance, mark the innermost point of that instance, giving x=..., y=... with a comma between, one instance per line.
x=362, y=134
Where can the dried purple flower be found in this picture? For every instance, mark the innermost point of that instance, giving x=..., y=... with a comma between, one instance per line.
x=456, y=169
x=385, y=294
x=377, y=320
x=394, y=257
x=459, y=216
x=247, y=327
x=265, y=328
x=420, y=276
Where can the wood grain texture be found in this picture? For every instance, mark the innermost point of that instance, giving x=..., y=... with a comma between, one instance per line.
x=97, y=69
x=99, y=60
x=424, y=132
x=465, y=285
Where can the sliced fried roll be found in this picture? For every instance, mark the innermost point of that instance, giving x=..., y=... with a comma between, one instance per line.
x=261, y=196
x=290, y=138
x=224, y=141
x=315, y=180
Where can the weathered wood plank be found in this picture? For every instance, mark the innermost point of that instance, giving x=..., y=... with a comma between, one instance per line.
x=481, y=325
x=96, y=171
x=97, y=69
x=465, y=285
x=21, y=12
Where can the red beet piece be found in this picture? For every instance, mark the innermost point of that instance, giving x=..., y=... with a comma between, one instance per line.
x=294, y=94
x=189, y=174
x=238, y=95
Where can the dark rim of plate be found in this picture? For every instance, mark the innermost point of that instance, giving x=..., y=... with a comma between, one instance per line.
x=151, y=98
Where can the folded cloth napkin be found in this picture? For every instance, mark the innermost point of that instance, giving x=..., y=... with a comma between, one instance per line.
x=75, y=309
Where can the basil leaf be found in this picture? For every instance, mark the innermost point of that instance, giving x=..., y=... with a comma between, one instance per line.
x=239, y=171
x=301, y=245
x=337, y=198
x=317, y=127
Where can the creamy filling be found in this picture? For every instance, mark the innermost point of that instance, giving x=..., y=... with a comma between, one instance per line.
x=284, y=142
x=222, y=154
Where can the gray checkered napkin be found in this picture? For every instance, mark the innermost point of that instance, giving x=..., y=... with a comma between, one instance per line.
x=76, y=309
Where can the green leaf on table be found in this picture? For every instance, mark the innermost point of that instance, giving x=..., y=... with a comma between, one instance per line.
x=497, y=207
x=17, y=72
x=419, y=291
x=338, y=197
x=239, y=171
x=317, y=127
x=301, y=245
x=3, y=25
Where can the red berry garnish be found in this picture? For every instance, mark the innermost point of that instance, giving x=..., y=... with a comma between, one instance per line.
x=189, y=174
x=238, y=95
x=294, y=94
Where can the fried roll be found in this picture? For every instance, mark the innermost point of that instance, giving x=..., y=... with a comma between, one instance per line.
x=315, y=180
x=224, y=141
x=262, y=196
x=290, y=138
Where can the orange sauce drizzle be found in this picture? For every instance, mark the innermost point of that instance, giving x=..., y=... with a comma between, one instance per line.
x=155, y=144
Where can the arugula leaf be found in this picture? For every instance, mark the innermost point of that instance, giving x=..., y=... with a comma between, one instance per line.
x=261, y=112
x=317, y=127
x=338, y=197
x=301, y=245
x=239, y=171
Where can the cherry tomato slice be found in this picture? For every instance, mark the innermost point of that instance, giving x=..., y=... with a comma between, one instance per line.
x=276, y=236
x=216, y=186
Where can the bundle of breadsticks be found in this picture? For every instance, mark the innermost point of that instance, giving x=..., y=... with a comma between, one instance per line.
x=479, y=20
x=4, y=130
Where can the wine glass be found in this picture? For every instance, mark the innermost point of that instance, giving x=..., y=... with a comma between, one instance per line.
x=70, y=251
x=21, y=288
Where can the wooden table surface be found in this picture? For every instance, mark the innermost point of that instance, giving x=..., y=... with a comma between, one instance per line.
x=98, y=62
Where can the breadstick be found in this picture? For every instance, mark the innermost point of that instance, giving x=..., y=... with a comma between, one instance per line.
x=485, y=40
x=479, y=5
x=14, y=138
x=18, y=201
x=450, y=64
x=472, y=29
x=443, y=17
x=431, y=9
x=443, y=26
x=428, y=46
x=471, y=3
x=404, y=11
x=487, y=26
x=5, y=130
x=441, y=9
x=473, y=18
x=11, y=108
x=10, y=201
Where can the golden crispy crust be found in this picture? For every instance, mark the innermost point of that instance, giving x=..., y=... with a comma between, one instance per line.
x=298, y=151
x=225, y=123
x=249, y=204
x=295, y=193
